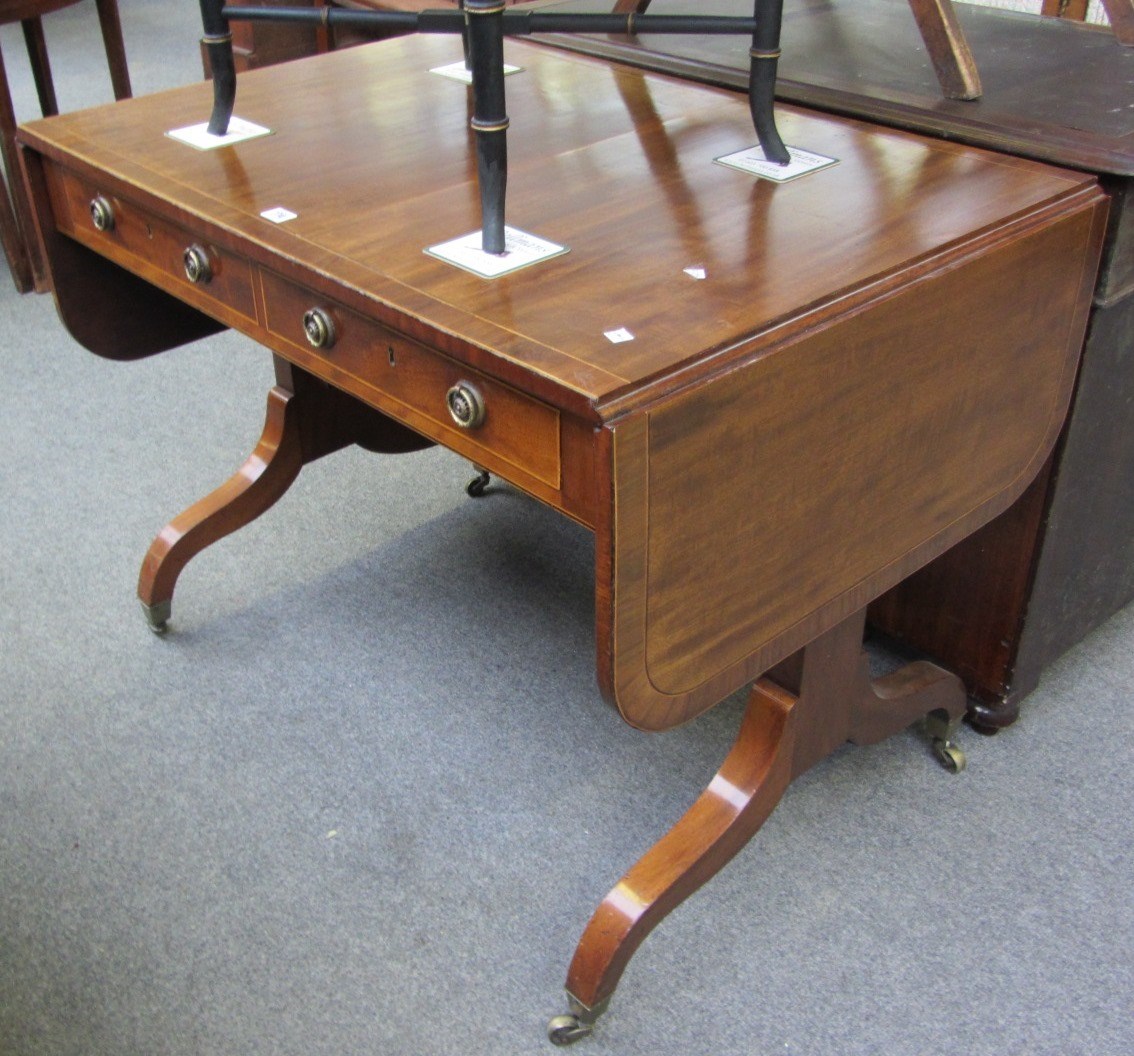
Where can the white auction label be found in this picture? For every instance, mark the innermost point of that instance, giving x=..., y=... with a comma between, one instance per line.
x=520, y=250
x=616, y=337
x=458, y=71
x=755, y=163
x=279, y=215
x=696, y=273
x=200, y=138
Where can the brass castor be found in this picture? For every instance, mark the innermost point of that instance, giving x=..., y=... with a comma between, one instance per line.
x=565, y=1030
x=479, y=484
x=949, y=756
x=578, y=1023
x=941, y=729
x=157, y=616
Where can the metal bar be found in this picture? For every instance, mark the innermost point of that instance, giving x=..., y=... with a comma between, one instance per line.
x=514, y=23
x=218, y=44
x=630, y=24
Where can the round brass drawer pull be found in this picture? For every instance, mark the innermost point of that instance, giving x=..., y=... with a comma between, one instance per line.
x=466, y=405
x=102, y=214
x=198, y=267
x=319, y=328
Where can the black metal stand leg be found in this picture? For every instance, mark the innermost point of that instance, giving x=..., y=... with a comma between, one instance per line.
x=490, y=119
x=218, y=44
x=762, y=79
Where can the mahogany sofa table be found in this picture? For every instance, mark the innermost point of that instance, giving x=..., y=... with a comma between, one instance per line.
x=770, y=402
x=1005, y=603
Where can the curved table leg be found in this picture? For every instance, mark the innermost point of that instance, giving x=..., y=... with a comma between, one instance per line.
x=306, y=419
x=255, y=487
x=797, y=715
x=723, y=819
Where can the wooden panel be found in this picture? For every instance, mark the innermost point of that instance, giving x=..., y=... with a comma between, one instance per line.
x=998, y=607
x=15, y=10
x=91, y=290
x=409, y=382
x=753, y=513
x=152, y=248
x=264, y=43
x=965, y=609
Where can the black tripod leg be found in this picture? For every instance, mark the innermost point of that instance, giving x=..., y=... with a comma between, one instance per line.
x=762, y=78
x=218, y=45
x=490, y=121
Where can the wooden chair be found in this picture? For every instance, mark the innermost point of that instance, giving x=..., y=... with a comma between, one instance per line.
x=15, y=210
x=1120, y=13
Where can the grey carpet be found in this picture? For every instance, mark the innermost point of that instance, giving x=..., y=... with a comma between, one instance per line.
x=364, y=796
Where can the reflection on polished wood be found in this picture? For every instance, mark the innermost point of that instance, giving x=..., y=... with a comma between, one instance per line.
x=944, y=40
x=856, y=382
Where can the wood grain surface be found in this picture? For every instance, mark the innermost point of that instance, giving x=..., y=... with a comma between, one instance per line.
x=372, y=152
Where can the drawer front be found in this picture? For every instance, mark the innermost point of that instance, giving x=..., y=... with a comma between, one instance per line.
x=153, y=248
x=412, y=383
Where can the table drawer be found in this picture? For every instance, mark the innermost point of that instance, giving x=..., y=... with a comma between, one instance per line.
x=154, y=248
x=414, y=384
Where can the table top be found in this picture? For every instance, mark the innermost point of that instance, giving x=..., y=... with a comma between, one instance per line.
x=373, y=153
x=1054, y=89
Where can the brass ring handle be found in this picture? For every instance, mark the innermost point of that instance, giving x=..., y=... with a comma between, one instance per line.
x=198, y=266
x=102, y=213
x=319, y=328
x=466, y=405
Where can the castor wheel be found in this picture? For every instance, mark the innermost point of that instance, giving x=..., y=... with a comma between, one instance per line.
x=949, y=756
x=479, y=484
x=941, y=728
x=157, y=615
x=578, y=1023
x=565, y=1030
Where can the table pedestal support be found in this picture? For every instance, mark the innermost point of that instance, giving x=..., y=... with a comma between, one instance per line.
x=306, y=419
x=797, y=714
